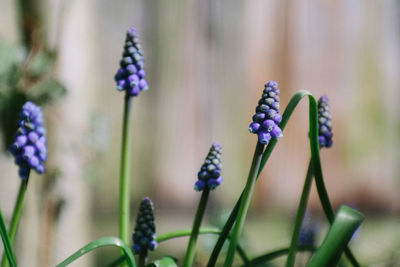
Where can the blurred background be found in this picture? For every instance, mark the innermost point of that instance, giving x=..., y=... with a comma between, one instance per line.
x=207, y=63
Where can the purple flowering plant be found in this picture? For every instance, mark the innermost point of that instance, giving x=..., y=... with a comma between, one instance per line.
x=29, y=150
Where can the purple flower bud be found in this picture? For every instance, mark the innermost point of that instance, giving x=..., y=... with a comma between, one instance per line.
x=268, y=125
x=277, y=118
x=199, y=185
x=264, y=137
x=29, y=148
x=20, y=141
x=33, y=137
x=254, y=127
x=143, y=85
x=324, y=123
x=276, y=132
x=130, y=77
x=210, y=172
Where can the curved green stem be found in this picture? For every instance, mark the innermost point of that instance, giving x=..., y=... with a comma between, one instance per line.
x=244, y=203
x=191, y=249
x=8, y=250
x=317, y=170
x=344, y=225
x=275, y=254
x=98, y=243
x=301, y=210
x=16, y=215
x=124, y=184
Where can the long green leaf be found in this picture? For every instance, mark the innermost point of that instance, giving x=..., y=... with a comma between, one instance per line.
x=275, y=254
x=345, y=224
x=102, y=242
x=8, y=250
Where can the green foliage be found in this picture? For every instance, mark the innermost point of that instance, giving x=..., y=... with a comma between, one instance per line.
x=167, y=261
x=8, y=250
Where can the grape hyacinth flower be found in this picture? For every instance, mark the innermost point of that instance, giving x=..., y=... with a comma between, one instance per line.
x=309, y=231
x=324, y=122
x=209, y=175
x=130, y=77
x=145, y=230
x=267, y=118
x=29, y=148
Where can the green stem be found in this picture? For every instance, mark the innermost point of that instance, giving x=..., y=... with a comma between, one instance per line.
x=275, y=254
x=301, y=210
x=343, y=227
x=8, y=250
x=16, y=215
x=191, y=249
x=244, y=204
x=142, y=259
x=124, y=185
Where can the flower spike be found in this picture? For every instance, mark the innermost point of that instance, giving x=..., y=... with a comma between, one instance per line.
x=131, y=75
x=210, y=172
x=145, y=230
x=29, y=147
x=267, y=117
x=324, y=122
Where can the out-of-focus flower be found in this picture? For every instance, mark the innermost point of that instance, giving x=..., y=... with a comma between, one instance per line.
x=29, y=148
x=309, y=231
x=324, y=122
x=267, y=117
x=145, y=230
x=209, y=175
x=130, y=77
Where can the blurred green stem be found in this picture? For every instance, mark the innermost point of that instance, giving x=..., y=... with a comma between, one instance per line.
x=124, y=184
x=191, y=249
x=16, y=215
x=346, y=222
x=244, y=203
x=301, y=210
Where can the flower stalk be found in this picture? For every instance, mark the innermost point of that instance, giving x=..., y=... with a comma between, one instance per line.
x=244, y=204
x=124, y=185
x=16, y=215
x=191, y=249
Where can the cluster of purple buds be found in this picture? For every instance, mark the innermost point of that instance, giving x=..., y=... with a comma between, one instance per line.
x=209, y=175
x=131, y=74
x=324, y=123
x=145, y=229
x=267, y=117
x=29, y=147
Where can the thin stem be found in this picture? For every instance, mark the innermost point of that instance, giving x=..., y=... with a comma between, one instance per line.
x=191, y=249
x=301, y=210
x=244, y=204
x=124, y=185
x=16, y=215
x=142, y=259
